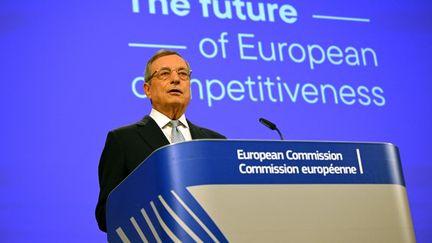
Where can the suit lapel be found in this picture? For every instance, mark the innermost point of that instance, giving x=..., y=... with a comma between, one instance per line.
x=151, y=133
x=195, y=131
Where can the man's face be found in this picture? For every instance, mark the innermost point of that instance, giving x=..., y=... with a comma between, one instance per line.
x=172, y=93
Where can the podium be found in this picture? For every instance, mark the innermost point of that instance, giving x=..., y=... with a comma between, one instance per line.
x=263, y=191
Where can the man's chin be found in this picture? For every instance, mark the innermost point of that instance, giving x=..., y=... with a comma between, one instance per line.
x=178, y=101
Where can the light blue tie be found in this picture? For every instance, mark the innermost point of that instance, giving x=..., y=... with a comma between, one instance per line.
x=176, y=135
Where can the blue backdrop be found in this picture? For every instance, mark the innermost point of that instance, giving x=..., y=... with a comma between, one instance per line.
x=322, y=70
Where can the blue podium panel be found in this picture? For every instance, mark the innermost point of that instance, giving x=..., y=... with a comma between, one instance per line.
x=263, y=191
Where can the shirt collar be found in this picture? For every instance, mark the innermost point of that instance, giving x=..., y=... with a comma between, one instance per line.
x=163, y=120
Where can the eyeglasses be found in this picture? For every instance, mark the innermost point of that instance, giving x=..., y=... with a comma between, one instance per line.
x=165, y=73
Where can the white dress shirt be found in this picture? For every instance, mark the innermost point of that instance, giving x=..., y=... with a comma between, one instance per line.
x=163, y=122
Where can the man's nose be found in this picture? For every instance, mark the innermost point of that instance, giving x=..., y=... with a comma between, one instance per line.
x=175, y=77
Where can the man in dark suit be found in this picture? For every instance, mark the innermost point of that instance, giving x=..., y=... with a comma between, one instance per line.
x=167, y=85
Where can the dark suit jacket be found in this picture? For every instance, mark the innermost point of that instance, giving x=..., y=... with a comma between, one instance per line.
x=125, y=148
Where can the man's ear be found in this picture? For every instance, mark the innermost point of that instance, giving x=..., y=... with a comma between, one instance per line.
x=147, y=90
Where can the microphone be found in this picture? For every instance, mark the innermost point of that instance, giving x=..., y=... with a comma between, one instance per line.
x=270, y=125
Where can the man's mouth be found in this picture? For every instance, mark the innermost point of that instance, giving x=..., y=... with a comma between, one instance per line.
x=175, y=91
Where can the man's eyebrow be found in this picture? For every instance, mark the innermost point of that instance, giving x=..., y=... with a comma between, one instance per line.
x=165, y=67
